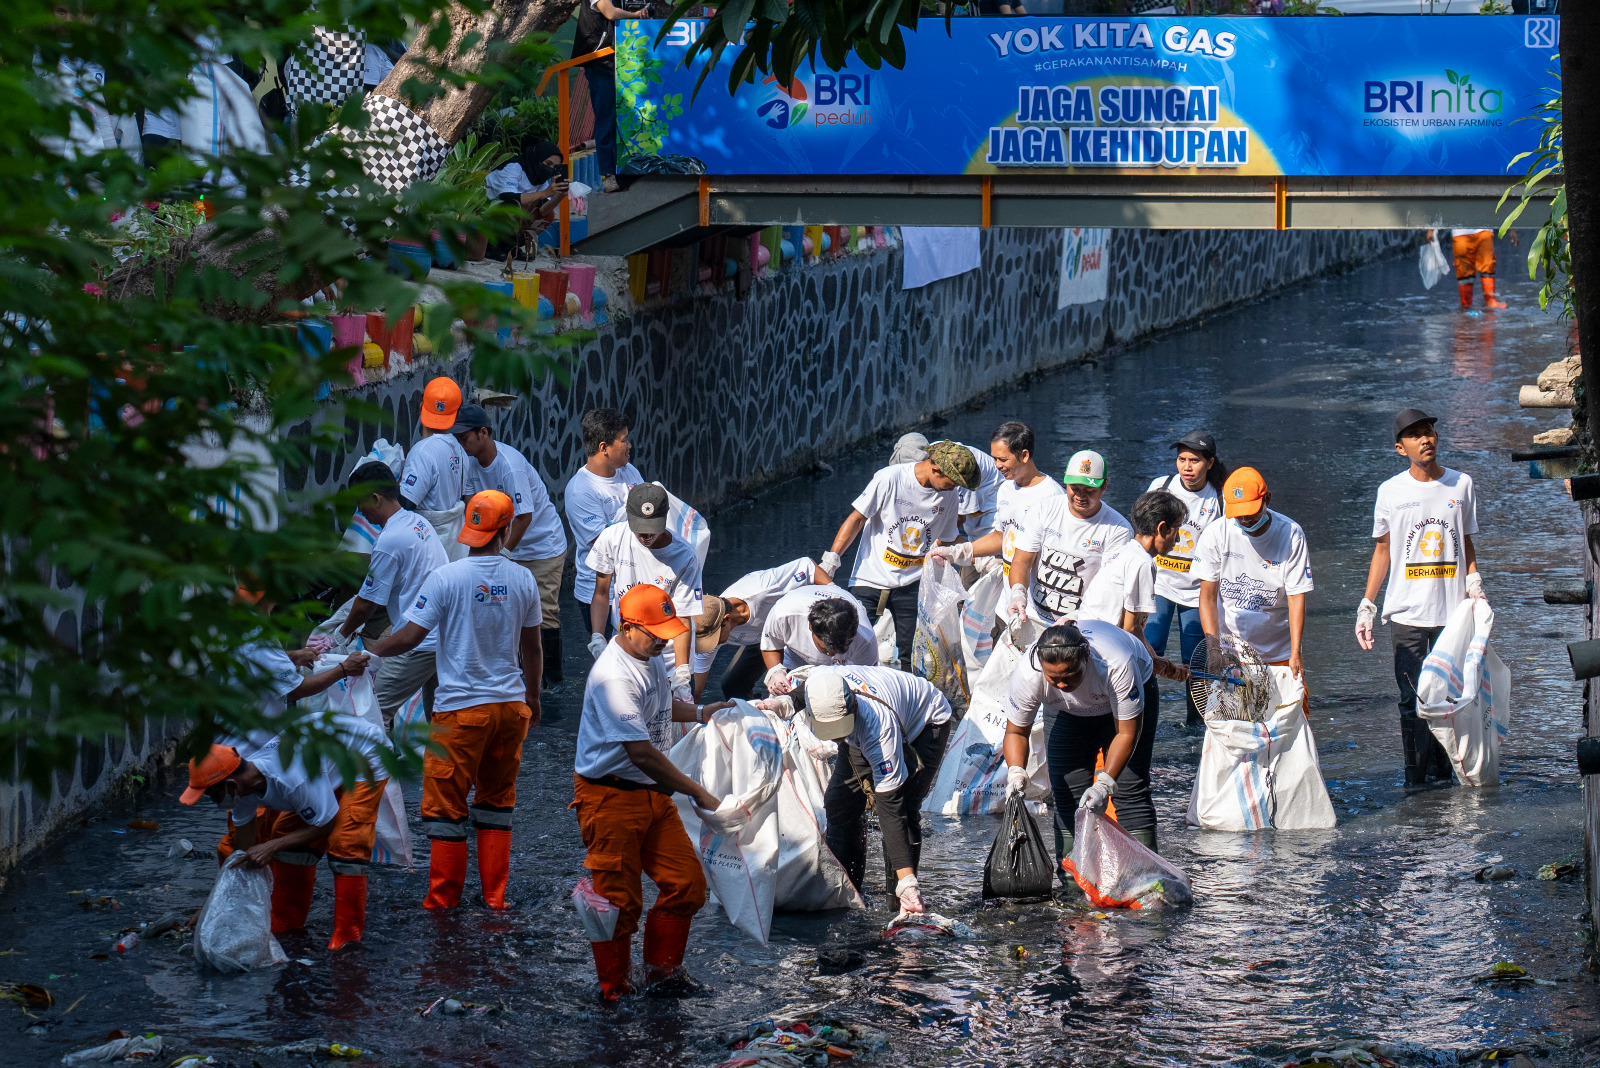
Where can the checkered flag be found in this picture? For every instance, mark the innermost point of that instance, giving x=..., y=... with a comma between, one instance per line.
x=407, y=149
x=337, y=58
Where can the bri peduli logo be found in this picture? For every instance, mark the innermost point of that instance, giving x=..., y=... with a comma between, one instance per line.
x=489, y=594
x=835, y=99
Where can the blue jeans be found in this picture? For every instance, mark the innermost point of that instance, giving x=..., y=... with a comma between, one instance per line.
x=1159, y=625
x=603, y=98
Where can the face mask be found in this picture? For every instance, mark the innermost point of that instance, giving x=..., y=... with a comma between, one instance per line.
x=1251, y=528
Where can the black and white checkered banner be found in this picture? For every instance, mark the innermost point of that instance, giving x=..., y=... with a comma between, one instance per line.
x=407, y=149
x=338, y=60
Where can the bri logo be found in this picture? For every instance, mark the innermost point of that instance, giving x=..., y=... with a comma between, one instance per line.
x=1453, y=97
x=831, y=101
x=489, y=594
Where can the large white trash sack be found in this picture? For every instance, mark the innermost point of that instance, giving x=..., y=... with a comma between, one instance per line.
x=447, y=524
x=1116, y=872
x=234, y=932
x=1258, y=775
x=936, y=651
x=393, y=843
x=1431, y=262
x=737, y=757
x=1464, y=693
x=810, y=878
x=352, y=695
x=977, y=620
x=972, y=776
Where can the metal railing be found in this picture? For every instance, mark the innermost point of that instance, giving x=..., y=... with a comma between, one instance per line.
x=562, y=72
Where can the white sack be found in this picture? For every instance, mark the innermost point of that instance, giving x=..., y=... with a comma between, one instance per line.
x=350, y=696
x=1464, y=692
x=977, y=619
x=234, y=931
x=936, y=652
x=809, y=877
x=447, y=524
x=888, y=649
x=393, y=844
x=1258, y=775
x=1431, y=263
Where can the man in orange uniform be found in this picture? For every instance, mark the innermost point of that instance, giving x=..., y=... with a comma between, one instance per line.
x=622, y=788
x=486, y=610
x=1473, y=251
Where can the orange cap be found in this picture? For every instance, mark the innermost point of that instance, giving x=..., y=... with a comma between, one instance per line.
x=1241, y=492
x=487, y=513
x=247, y=596
x=440, y=400
x=649, y=607
x=222, y=761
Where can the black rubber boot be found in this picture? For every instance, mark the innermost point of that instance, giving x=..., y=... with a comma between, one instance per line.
x=551, y=640
x=1439, y=766
x=1146, y=838
x=1416, y=754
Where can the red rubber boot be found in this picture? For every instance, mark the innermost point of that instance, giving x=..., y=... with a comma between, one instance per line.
x=1466, y=292
x=447, y=873
x=613, y=962
x=494, y=865
x=291, y=894
x=1489, y=299
x=665, y=939
x=349, y=909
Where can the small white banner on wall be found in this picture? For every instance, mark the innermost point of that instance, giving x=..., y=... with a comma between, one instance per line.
x=1083, y=266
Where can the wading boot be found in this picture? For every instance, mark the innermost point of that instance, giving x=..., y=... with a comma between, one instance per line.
x=1146, y=838
x=665, y=939
x=1489, y=299
x=551, y=640
x=612, y=962
x=447, y=873
x=1466, y=292
x=349, y=909
x=291, y=894
x=494, y=865
x=1416, y=755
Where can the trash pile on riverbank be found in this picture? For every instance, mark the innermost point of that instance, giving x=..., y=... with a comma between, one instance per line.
x=813, y=1039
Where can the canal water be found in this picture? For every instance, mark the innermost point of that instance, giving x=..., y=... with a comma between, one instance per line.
x=1296, y=941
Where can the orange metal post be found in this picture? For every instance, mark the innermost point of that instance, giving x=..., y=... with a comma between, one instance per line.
x=564, y=121
x=988, y=192
x=705, y=200
x=1280, y=196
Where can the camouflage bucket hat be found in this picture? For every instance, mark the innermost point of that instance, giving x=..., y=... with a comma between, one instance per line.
x=955, y=462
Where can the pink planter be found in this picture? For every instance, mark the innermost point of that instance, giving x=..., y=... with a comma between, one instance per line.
x=349, y=331
x=580, y=281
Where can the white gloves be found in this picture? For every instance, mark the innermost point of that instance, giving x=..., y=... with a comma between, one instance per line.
x=910, y=895
x=1366, y=616
x=1016, y=781
x=957, y=555
x=830, y=563
x=986, y=564
x=597, y=645
x=1100, y=791
x=321, y=643
x=777, y=680
x=782, y=707
x=1018, y=607
x=1475, y=586
x=338, y=642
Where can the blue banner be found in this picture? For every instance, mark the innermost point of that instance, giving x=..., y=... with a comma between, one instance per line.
x=1372, y=95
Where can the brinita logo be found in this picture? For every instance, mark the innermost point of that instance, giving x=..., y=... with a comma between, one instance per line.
x=1419, y=97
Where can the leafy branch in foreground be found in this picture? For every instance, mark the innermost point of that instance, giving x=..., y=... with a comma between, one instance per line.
x=1549, y=251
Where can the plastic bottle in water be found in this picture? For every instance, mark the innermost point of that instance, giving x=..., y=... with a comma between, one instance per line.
x=127, y=942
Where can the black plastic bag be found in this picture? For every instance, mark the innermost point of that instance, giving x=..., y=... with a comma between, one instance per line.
x=1019, y=863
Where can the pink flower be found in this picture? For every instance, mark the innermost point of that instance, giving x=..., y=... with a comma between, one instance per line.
x=93, y=290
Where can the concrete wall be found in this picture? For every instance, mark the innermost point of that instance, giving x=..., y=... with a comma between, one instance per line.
x=729, y=395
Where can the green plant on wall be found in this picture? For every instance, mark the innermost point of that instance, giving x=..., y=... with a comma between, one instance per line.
x=1549, y=253
x=642, y=121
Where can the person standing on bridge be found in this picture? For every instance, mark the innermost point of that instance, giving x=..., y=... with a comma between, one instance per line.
x=1423, y=524
x=597, y=30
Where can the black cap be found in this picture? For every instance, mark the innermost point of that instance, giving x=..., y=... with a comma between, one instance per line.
x=647, y=509
x=470, y=417
x=1411, y=417
x=1199, y=441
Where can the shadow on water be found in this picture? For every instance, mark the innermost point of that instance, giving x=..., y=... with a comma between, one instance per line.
x=1371, y=932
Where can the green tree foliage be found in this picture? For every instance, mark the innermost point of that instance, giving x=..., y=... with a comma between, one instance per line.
x=148, y=364
x=1542, y=182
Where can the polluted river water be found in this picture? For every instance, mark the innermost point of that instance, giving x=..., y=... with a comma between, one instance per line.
x=1372, y=932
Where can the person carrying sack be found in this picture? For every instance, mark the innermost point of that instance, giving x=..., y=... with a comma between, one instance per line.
x=815, y=625
x=738, y=617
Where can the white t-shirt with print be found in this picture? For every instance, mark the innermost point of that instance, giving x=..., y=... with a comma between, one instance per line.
x=760, y=590
x=289, y=788
x=904, y=518
x=983, y=499
x=407, y=552
x=1070, y=551
x=788, y=631
x=545, y=538
x=1012, y=508
x=674, y=567
x=591, y=504
x=1174, y=578
x=435, y=472
x=892, y=708
x=267, y=661
x=1113, y=683
x=478, y=606
x=1255, y=578
x=625, y=700
x=1126, y=582
x=1428, y=524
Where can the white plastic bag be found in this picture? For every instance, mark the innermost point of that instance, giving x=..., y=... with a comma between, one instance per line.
x=447, y=524
x=1431, y=262
x=1258, y=775
x=1464, y=692
x=234, y=932
x=1116, y=872
x=936, y=652
x=736, y=756
x=598, y=914
x=350, y=696
x=809, y=877
x=888, y=647
x=385, y=452
x=393, y=844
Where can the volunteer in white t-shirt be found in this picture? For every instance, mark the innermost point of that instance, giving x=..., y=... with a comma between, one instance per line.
x=309, y=815
x=485, y=610
x=1197, y=482
x=976, y=507
x=1123, y=590
x=1024, y=487
x=597, y=491
x=433, y=482
x=737, y=617
x=622, y=790
x=643, y=550
x=815, y=625
x=1424, y=521
x=1063, y=543
x=1096, y=685
x=406, y=553
x=904, y=510
x=891, y=727
x=1254, y=564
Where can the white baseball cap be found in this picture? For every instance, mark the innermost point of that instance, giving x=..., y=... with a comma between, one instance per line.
x=1086, y=468
x=828, y=702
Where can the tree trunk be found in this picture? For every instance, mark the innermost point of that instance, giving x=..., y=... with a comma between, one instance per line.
x=1580, y=138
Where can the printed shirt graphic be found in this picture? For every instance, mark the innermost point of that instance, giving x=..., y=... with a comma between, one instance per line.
x=434, y=477
x=904, y=519
x=1012, y=508
x=624, y=700
x=1113, y=684
x=591, y=502
x=984, y=500
x=478, y=606
x=789, y=631
x=1255, y=577
x=406, y=553
x=1174, y=576
x=763, y=589
x=892, y=708
x=1428, y=524
x=674, y=567
x=1070, y=551
x=1126, y=582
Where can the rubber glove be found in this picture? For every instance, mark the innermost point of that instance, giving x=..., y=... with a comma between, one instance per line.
x=597, y=645
x=777, y=680
x=910, y=895
x=1366, y=616
x=1016, y=781
x=830, y=563
x=1095, y=797
x=338, y=642
x=957, y=555
x=1018, y=607
x=782, y=707
x=320, y=643
x=1475, y=587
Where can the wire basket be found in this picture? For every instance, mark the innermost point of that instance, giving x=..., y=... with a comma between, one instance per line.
x=1244, y=689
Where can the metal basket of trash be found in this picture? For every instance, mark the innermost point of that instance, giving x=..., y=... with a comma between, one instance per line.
x=1241, y=690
